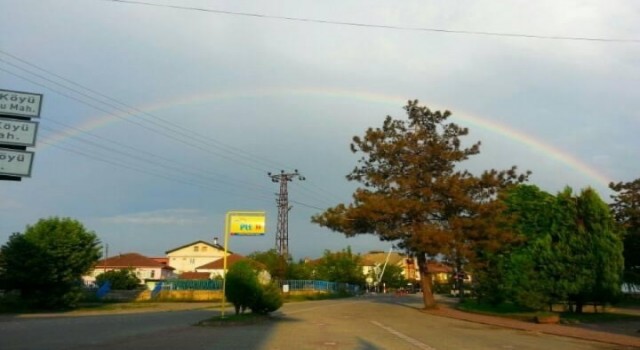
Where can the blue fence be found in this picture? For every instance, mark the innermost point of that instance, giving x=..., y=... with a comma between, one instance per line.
x=294, y=285
x=104, y=289
x=192, y=285
x=313, y=285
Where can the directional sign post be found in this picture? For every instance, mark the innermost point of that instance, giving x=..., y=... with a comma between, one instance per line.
x=20, y=104
x=18, y=132
x=15, y=163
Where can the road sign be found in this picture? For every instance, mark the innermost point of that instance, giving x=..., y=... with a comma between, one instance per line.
x=18, y=132
x=247, y=224
x=21, y=104
x=16, y=163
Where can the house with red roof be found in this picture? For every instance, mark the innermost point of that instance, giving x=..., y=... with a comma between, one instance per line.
x=188, y=257
x=216, y=268
x=144, y=268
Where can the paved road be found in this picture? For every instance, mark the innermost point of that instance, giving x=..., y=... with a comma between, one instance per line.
x=380, y=322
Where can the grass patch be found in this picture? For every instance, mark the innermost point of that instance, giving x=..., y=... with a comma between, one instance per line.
x=523, y=314
x=235, y=320
x=600, y=317
x=503, y=310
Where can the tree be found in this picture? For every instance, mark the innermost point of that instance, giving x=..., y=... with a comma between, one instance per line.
x=570, y=251
x=626, y=209
x=599, y=247
x=46, y=262
x=124, y=279
x=393, y=277
x=341, y=267
x=276, y=264
x=412, y=192
x=301, y=270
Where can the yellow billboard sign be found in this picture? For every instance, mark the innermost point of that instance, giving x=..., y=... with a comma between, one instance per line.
x=247, y=224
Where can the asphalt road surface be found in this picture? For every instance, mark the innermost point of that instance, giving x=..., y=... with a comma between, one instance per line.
x=367, y=323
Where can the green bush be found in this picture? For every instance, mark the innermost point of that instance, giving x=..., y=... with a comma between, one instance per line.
x=244, y=290
x=242, y=286
x=269, y=299
x=124, y=279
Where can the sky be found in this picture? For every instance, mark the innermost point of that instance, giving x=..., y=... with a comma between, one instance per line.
x=160, y=116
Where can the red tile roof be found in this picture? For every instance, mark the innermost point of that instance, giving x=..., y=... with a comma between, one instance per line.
x=194, y=276
x=162, y=260
x=219, y=264
x=130, y=260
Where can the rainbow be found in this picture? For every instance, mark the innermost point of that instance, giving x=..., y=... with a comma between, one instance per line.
x=503, y=130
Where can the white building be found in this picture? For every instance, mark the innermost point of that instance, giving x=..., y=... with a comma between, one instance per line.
x=190, y=256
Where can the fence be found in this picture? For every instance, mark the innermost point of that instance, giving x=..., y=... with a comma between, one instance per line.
x=294, y=285
x=313, y=285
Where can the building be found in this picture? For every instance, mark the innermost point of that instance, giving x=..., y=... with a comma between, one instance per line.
x=216, y=268
x=374, y=261
x=143, y=267
x=188, y=257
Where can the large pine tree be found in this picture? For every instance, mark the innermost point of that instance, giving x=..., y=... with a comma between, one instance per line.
x=413, y=192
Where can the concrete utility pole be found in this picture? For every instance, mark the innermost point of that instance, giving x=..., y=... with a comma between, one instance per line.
x=282, y=234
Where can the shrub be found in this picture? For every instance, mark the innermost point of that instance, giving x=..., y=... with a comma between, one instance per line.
x=269, y=299
x=244, y=290
x=120, y=279
x=242, y=286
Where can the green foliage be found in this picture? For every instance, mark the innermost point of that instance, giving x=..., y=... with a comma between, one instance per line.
x=244, y=290
x=626, y=209
x=276, y=264
x=412, y=192
x=46, y=262
x=571, y=252
x=269, y=300
x=393, y=277
x=124, y=279
x=342, y=266
x=242, y=286
x=301, y=270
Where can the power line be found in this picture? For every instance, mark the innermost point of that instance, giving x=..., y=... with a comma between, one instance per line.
x=156, y=131
x=155, y=174
x=234, y=150
x=168, y=165
x=191, y=133
x=379, y=26
x=109, y=149
x=120, y=164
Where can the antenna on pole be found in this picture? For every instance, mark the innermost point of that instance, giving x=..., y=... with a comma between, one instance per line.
x=282, y=234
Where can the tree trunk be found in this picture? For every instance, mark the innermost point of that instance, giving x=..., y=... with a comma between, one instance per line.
x=579, y=305
x=426, y=281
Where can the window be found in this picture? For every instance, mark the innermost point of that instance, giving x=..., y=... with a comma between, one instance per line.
x=204, y=249
x=192, y=261
x=195, y=248
x=153, y=273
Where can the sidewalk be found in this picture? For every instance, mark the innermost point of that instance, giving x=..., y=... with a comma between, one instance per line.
x=447, y=310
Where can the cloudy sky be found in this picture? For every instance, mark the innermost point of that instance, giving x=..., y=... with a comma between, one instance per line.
x=162, y=115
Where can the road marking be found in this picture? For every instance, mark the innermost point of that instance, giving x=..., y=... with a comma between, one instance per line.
x=404, y=337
